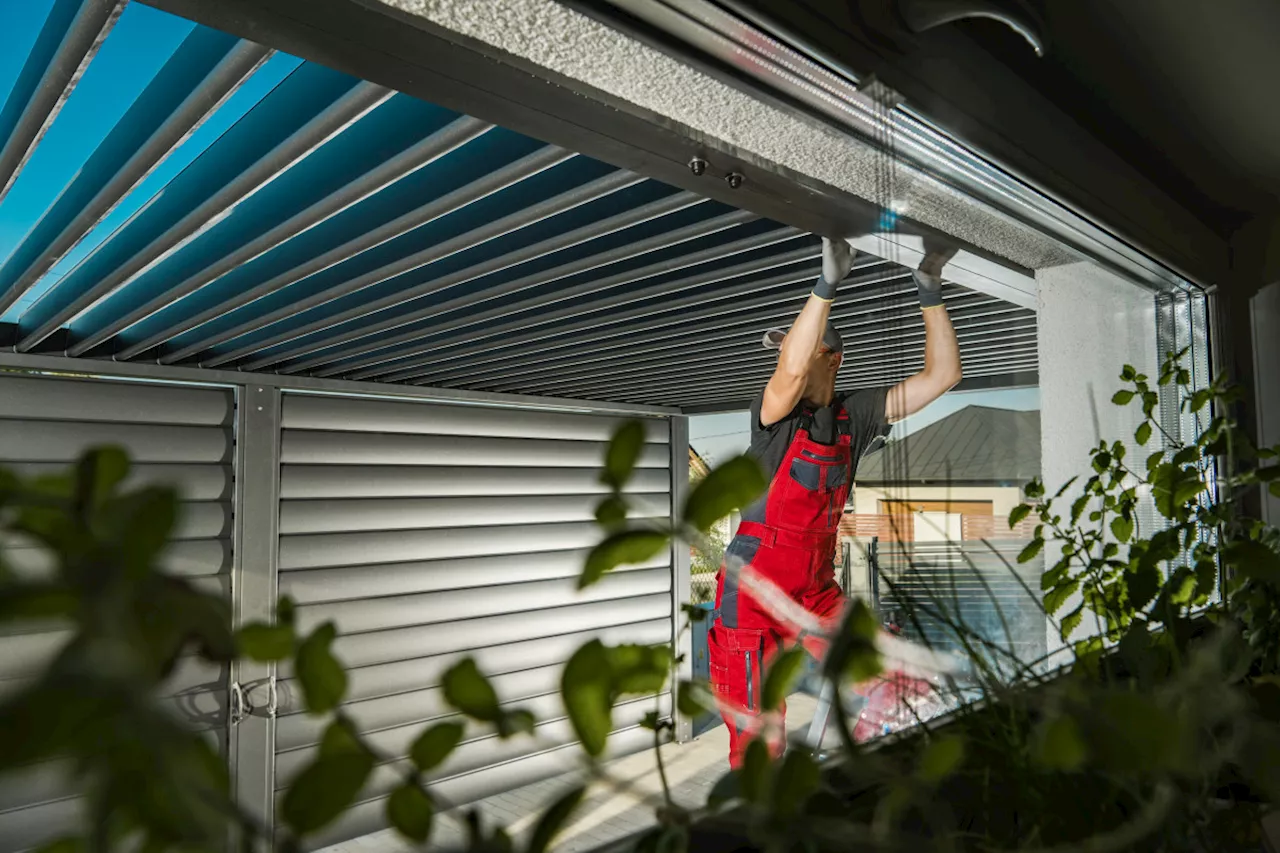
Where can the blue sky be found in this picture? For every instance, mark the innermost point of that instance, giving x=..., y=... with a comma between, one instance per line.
x=142, y=41
x=718, y=437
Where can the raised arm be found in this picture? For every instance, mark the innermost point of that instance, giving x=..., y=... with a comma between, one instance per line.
x=941, y=351
x=801, y=345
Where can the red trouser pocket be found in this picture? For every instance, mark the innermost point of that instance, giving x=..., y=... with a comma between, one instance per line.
x=735, y=656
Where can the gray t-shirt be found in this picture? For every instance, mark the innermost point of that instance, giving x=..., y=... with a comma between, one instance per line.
x=866, y=423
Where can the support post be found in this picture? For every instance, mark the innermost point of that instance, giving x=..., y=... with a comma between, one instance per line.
x=680, y=574
x=254, y=593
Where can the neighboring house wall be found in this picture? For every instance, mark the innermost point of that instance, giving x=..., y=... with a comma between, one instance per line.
x=866, y=499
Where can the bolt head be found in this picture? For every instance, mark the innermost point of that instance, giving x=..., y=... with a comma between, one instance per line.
x=698, y=166
x=734, y=180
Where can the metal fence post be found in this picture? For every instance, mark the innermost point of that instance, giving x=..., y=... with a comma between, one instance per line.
x=254, y=585
x=681, y=578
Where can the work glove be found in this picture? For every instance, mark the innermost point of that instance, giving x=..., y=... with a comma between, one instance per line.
x=928, y=277
x=837, y=260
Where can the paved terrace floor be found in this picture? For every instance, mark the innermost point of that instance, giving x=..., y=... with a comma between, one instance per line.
x=607, y=817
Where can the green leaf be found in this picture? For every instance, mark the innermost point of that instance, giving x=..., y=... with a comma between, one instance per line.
x=518, y=722
x=941, y=758
x=1274, y=489
x=638, y=669
x=1133, y=733
x=753, y=776
x=1062, y=490
x=262, y=642
x=1059, y=745
x=324, y=789
x=1030, y=552
x=693, y=699
x=467, y=689
x=728, y=488
x=554, y=819
x=795, y=780
x=321, y=676
x=1122, y=528
x=623, y=548
x=1143, y=433
x=1070, y=622
x=435, y=744
x=1128, y=373
x=1018, y=513
x=621, y=457
x=1122, y=398
x=1253, y=559
x=1154, y=460
x=37, y=601
x=781, y=677
x=1058, y=596
x=411, y=811
x=99, y=471
x=668, y=838
x=611, y=512
x=586, y=689
x=286, y=611
x=1078, y=507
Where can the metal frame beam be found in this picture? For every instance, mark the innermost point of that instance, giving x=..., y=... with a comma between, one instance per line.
x=199, y=375
x=681, y=587
x=254, y=586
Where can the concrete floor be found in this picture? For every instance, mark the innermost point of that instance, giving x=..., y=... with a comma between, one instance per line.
x=607, y=816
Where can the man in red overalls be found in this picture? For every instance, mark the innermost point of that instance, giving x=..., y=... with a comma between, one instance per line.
x=808, y=438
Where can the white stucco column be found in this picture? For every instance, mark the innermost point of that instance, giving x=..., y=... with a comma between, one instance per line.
x=1091, y=323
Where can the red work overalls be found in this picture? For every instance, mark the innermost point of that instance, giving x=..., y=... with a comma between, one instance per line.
x=792, y=545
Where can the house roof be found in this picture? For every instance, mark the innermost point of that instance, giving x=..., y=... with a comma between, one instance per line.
x=977, y=444
x=697, y=465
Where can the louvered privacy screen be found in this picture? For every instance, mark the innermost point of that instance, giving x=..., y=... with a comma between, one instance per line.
x=182, y=436
x=431, y=532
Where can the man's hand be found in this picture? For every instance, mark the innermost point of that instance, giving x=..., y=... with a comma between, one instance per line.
x=837, y=260
x=928, y=277
x=936, y=256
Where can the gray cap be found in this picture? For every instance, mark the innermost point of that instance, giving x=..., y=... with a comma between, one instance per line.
x=830, y=338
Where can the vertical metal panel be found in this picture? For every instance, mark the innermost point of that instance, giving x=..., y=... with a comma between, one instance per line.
x=253, y=736
x=182, y=436
x=431, y=532
x=680, y=566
